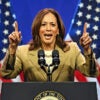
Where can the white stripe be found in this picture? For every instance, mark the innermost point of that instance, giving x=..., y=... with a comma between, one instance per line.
x=68, y=38
x=17, y=79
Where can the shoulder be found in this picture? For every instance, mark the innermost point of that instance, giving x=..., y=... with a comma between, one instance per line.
x=70, y=45
x=23, y=48
x=22, y=52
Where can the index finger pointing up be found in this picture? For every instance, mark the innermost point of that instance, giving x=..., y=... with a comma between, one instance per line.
x=85, y=28
x=16, y=26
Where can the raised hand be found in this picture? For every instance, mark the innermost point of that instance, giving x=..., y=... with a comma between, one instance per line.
x=85, y=39
x=15, y=36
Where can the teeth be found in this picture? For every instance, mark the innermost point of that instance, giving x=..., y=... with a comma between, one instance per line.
x=47, y=37
x=47, y=34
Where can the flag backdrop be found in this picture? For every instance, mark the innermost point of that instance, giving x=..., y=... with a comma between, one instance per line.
x=73, y=12
x=87, y=11
x=7, y=18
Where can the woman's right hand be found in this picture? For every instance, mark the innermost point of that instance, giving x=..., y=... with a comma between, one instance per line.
x=15, y=36
x=14, y=39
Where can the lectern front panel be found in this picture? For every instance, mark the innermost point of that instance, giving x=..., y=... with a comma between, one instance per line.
x=49, y=91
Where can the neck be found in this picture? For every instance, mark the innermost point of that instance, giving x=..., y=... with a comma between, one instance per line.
x=48, y=47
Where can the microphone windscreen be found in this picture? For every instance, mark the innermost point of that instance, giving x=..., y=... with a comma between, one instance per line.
x=41, y=53
x=55, y=56
x=55, y=53
x=41, y=59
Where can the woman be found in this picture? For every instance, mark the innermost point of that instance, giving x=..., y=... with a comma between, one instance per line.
x=48, y=34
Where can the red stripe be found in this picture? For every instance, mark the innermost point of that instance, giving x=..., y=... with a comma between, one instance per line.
x=80, y=77
x=22, y=76
x=6, y=80
x=98, y=78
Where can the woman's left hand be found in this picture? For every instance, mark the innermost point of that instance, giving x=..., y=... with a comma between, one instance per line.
x=85, y=39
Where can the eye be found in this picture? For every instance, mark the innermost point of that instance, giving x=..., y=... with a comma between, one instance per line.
x=53, y=24
x=43, y=24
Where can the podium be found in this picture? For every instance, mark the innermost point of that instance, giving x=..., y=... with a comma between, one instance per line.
x=49, y=91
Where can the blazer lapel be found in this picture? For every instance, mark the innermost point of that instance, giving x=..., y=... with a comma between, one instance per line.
x=57, y=72
x=33, y=56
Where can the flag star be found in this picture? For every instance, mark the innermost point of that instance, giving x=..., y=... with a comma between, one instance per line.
x=98, y=1
x=88, y=25
x=5, y=31
x=78, y=32
x=97, y=9
x=81, y=5
x=7, y=4
x=14, y=16
x=93, y=46
x=89, y=7
x=5, y=41
x=6, y=22
x=88, y=16
x=4, y=50
x=80, y=14
x=95, y=28
x=94, y=36
x=79, y=23
x=13, y=25
x=7, y=13
x=96, y=18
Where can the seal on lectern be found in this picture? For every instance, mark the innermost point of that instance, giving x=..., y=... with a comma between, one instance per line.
x=49, y=95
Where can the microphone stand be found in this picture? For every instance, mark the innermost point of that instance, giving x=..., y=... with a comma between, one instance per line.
x=49, y=74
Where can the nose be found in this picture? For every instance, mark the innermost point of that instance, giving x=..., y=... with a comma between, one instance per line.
x=48, y=27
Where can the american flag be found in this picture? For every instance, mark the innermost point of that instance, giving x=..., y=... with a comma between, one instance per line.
x=87, y=11
x=7, y=18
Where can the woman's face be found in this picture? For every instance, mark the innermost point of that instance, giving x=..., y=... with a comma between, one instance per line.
x=48, y=29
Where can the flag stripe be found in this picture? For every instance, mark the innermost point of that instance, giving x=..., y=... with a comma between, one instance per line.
x=80, y=77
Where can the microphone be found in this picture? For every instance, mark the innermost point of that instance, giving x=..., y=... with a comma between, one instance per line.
x=55, y=58
x=41, y=59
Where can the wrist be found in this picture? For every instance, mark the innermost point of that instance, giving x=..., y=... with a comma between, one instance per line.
x=12, y=49
x=88, y=51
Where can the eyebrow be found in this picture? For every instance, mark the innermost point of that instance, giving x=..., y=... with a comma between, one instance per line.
x=50, y=22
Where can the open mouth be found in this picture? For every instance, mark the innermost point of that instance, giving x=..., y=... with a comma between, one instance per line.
x=47, y=36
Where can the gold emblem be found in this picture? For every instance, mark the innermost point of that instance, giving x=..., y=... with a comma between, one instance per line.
x=49, y=95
